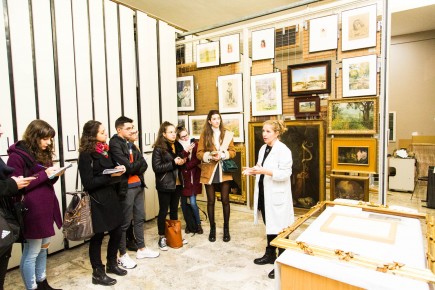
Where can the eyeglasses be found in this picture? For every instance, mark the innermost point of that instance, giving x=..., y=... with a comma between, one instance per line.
x=184, y=136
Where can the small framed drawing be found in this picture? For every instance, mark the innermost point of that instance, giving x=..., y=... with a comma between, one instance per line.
x=183, y=121
x=349, y=187
x=230, y=93
x=359, y=76
x=266, y=94
x=230, y=48
x=196, y=124
x=185, y=94
x=353, y=116
x=354, y=155
x=207, y=54
x=263, y=44
x=324, y=33
x=234, y=123
x=307, y=107
x=392, y=126
x=358, y=28
x=309, y=78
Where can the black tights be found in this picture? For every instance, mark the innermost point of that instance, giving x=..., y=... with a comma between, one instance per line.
x=225, y=198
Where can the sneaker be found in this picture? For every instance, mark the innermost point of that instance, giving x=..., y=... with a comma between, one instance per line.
x=162, y=244
x=185, y=242
x=126, y=262
x=146, y=253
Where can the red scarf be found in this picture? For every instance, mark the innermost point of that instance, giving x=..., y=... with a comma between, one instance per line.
x=102, y=148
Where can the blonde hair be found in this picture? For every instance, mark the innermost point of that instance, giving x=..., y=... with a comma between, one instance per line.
x=277, y=126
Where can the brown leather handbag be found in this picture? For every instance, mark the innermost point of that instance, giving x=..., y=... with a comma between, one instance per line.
x=173, y=234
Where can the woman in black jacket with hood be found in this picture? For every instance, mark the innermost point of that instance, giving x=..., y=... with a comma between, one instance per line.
x=167, y=160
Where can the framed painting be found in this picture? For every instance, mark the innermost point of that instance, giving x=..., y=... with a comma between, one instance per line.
x=234, y=123
x=196, y=124
x=183, y=120
x=230, y=48
x=230, y=93
x=185, y=94
x=266, y=94
x=392, y=126
x=309, y=78
x=358, y=28
x=359, y=76
x=207, y=54
x=238, y=184
x=307, y=107
x=306, y=140
x=349, y=187
x=354, y=155
x=353, y=116
x=323, y=33
x=263, y=44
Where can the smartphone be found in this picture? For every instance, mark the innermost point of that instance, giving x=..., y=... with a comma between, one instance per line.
x=192, y=140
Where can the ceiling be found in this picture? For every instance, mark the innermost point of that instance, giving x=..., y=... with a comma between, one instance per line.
x=196, y=15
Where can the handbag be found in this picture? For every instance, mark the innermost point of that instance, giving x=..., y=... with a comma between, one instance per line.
x=10, y=229
x=229, y=166
x=77, y=223
x=173, y=234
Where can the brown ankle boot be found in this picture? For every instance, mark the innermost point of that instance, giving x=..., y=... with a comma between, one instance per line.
x=200, y=231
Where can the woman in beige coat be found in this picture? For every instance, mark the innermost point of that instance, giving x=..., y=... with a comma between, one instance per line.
x=216, y=144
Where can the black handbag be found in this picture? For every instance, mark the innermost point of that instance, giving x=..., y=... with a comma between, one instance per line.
x=229, y=166
x=10, y=229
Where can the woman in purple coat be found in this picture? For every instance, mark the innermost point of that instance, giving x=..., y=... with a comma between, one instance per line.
x=33, y=156
x=191, y=175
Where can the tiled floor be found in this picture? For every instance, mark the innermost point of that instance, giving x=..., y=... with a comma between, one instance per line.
x=199, y=264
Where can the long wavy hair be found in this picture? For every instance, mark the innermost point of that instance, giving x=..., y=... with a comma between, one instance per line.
x=35, y=131
x=88, y=140
x=161, y=141
x=208, y=131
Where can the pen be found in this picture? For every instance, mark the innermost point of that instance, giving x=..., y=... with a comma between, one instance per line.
x=41, y=166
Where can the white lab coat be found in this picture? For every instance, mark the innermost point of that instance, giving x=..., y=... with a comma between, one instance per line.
x=278, y=202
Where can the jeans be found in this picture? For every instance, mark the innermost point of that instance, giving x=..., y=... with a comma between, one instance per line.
x=112, y=248
x=34, y=261
x=168, y=200
x=193, y=205
x=133, y=209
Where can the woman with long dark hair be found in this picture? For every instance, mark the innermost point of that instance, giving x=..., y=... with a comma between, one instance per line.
x=106, y=208
x=33, y=156
x=211, y=150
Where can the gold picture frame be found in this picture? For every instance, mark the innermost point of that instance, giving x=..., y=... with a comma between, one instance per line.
x=349, y=187
x=354, y=155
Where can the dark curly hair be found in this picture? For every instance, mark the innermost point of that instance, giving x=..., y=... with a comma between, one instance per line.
x=89, y=136
x=35, y=131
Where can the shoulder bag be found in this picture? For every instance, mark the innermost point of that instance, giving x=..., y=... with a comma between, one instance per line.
x=228, y=165
x=9, y=227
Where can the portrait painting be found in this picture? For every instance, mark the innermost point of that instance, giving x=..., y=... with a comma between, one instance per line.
x=349, y=187
x=358, y=28
x=309, y=78
x=185, y=94
x=230, y=48
x=230, y=93
x=266, y=94
x=306, y=141
x=196, y=125
x=359, y=76
x=263, y=44
x=207, y=54
x=354, y=155
x=323, y=33
x=234, y=123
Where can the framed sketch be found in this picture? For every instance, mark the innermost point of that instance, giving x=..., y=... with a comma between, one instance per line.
x=207, y=54
x=183, y=120
x=263, y=44
x=238, y=184
x=196, y=125
x=354, y=155
x=323, y=33
x=306, y=140
x=307, y=107
x=359, y=76
x=185, y=94
x=349, y=187
x=358, y=28
x=266, y=94
x=230, y=48
x=234, y=123
x=309, y=78
x=353, y=116
x=230, y=93
x=392, y=126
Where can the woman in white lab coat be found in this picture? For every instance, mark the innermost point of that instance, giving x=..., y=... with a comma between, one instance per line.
x=272, y=192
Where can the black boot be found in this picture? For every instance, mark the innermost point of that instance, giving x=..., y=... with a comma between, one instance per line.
x=227, y=236
x=272, y=274
x=114, y=269
x=99, y=277
x=45, y=286
x=212, y=235
x=268, y=258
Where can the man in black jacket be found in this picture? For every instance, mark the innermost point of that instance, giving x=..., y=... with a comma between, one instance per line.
x=131, y=189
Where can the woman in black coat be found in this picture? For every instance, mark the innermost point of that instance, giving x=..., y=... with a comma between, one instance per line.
x=105, y=206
